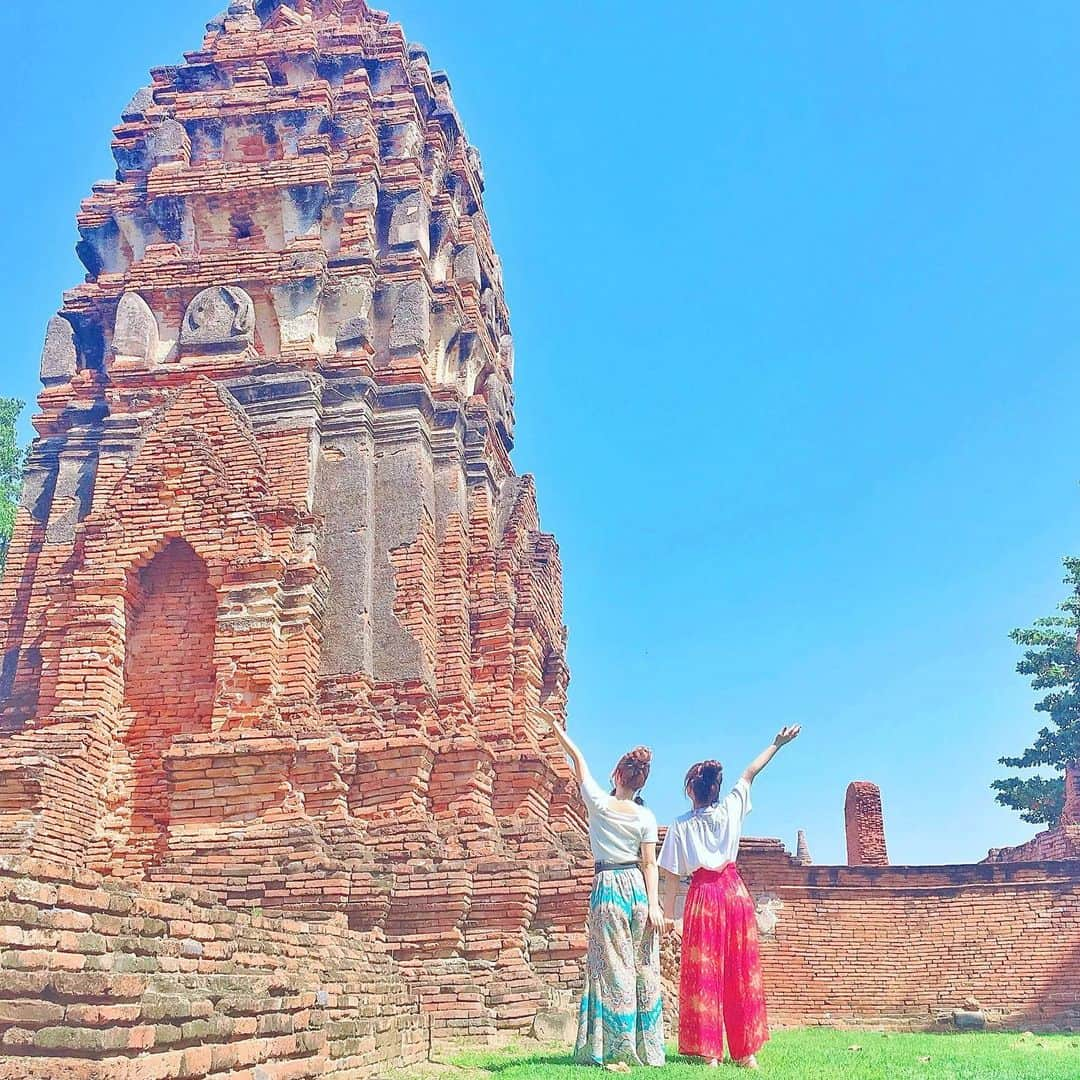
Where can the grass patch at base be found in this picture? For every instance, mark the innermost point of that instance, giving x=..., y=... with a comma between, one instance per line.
x=820, y=1054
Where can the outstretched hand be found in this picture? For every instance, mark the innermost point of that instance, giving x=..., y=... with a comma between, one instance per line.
x=785, y=735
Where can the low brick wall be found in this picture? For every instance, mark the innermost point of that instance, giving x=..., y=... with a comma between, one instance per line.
x=907, y=948
x=101, y=980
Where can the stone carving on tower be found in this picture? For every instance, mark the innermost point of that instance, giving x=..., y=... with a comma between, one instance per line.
x=279, y=619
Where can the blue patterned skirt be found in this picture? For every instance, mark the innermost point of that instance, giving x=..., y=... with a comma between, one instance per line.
x=621, y=1012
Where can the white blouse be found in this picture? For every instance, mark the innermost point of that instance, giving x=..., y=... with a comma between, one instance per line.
x=707, y=838
x=616, y=835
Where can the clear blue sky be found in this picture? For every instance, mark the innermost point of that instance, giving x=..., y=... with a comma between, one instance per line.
x=796, y=292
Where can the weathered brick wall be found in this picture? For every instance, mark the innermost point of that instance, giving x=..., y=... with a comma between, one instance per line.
x=911, y=945
x=101, y=980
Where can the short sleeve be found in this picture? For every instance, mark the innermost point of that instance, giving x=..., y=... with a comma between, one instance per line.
x=650, y=833
x=669, y=853
x=738, y=803
x=595, y=797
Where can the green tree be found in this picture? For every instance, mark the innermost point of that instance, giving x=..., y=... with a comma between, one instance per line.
x=11, y=468
x=1052, y=662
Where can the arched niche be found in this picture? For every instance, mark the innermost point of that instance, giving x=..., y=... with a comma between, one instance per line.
x=170, y=683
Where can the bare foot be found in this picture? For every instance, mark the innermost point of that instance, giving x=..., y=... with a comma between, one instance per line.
x=748, y=1063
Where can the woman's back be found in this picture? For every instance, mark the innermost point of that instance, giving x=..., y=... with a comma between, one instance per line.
x=617, y=828
x=707, y=838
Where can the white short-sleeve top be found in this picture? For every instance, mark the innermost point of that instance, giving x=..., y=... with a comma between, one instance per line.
x=616, y=835
x=707, y=839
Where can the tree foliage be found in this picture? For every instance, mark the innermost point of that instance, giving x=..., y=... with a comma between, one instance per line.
x=1052, y=663
x=12, y=459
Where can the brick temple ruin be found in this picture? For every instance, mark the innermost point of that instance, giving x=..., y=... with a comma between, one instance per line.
x=279, y=617
x=280, y=625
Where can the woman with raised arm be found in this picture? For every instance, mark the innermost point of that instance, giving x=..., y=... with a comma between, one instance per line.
x=720, y=979
x=621, y=1020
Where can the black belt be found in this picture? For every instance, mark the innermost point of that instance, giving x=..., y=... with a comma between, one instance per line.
x=602, y=866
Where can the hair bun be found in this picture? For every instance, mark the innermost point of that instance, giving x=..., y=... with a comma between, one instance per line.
x=634, y=767
x=703, y=782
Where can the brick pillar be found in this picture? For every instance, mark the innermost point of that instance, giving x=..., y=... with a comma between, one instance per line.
x=865, y=823
x=1071, y=814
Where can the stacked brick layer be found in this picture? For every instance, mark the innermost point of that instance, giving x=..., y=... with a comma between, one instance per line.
x=103, y=981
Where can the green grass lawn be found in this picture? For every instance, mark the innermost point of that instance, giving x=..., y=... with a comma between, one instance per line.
x=817, y=1054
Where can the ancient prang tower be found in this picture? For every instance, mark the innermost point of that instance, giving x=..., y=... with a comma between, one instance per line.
x=278, y=619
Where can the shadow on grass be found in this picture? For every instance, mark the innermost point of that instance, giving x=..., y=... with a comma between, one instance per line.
x=564, y=1060
x=567, y=1061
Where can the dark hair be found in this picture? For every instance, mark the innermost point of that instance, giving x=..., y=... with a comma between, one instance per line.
x=633, y=770
x=703, y=782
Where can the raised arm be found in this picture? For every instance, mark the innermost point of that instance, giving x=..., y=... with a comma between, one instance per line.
x=577, y=759
x=786, y=735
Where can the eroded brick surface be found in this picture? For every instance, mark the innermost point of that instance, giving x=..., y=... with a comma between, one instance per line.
x=170, y=681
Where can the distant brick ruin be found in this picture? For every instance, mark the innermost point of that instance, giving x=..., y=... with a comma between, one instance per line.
x=279, y=620
x=864, y=823
x=1062, y=841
